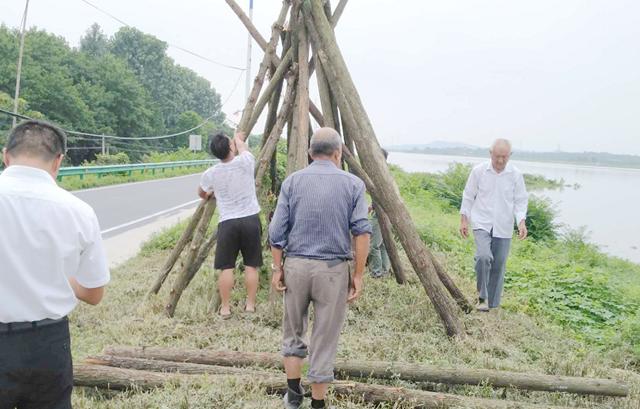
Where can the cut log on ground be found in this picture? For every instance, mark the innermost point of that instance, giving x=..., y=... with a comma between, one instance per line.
x=388, y=370
x=106, y=377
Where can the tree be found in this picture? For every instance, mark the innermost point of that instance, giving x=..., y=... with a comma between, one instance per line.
x=94, y=42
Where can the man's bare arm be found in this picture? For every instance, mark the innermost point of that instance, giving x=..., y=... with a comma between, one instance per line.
x=91, y=296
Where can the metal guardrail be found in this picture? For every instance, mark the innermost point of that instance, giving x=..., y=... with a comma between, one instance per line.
x=128, y=169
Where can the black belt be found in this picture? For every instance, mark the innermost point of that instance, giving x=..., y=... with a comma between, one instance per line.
x=22, y=326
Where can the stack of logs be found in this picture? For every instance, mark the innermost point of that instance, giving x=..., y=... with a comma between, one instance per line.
x=310, y=26
x=122, y=367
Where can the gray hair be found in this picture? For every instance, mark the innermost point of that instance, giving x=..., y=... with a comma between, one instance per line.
x=501, y=141
x=325, y=142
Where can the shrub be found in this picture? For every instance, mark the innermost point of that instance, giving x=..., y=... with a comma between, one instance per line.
x=540, y=219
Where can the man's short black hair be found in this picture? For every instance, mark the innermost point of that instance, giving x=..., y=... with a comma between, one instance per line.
x=38, y=139
x=219, y=145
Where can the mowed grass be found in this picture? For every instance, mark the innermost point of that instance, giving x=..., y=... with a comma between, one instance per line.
x=390, y=322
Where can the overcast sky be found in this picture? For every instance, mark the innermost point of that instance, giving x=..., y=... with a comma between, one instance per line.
x=547, y=74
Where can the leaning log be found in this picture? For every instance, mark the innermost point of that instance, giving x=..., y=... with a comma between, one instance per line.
x=313, y=109
x=297, y=154
x=100, y=376
x=271, y=144
x=390, y=246
x=184, y=277
x=389, y=195
x=245, y=124
x=185, y=239
x=388, y=370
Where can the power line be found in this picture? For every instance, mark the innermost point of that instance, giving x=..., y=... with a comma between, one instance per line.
x=170, y=44
x=127, y=138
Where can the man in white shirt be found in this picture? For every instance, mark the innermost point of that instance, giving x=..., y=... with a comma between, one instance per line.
x=52, y=256
x=239, y=228
x=493, y=197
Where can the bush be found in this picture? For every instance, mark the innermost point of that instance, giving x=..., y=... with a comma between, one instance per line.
x=179, y=155
x=119, y=158
x=540, y=219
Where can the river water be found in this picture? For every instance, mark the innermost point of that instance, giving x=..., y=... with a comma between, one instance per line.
x=605, y=203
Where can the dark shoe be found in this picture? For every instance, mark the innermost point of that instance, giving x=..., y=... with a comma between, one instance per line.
x=293, y=399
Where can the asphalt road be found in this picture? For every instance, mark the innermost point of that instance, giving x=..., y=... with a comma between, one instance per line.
x=122, y=207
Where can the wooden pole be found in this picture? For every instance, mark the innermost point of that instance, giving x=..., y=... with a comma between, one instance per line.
x=185, y=239
x=271, y=144
x=313, y=109
x=387, y=370
x=299, y=145
x=390, y=246
x=113, y=378
x=389, y=195
x=245, y=124
x=183, y=278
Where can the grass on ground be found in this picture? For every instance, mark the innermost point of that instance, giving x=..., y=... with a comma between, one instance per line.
x=389, y=322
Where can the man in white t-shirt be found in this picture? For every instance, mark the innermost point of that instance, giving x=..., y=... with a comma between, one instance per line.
x=239, y=229
x=52, y=256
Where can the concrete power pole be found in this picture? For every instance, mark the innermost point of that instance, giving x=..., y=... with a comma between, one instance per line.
x=19, y=70
x=248, y=73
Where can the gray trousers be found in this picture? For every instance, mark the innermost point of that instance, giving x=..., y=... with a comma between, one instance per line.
x=491, y=261
x=326, y=285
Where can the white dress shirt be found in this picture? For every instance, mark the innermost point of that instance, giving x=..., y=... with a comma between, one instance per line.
x=234, y=187
x=493, y=200
x=48, y=235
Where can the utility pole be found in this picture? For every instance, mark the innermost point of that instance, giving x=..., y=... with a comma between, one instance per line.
x=248, y=73
x=104, y=150
x=19, y=70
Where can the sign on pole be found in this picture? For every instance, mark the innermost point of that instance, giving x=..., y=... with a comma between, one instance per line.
x=195, y=142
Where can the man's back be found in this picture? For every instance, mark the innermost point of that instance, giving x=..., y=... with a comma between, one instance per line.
x=48, y=236
x=233, y=185
x=323, y=205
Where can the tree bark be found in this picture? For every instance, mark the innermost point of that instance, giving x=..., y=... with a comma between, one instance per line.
x=185, y=239
x=315, y=112
x=194, y=254
x=451, y=286
x=245, y=124
x=299, y=146
x=388, y=370
x=337, y=13
x=276, y=78
x=272, y=141
x=104, y=377
x=390, y=246
x=389, y=195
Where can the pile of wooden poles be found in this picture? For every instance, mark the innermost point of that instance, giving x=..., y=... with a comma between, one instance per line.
x=304, y=30
x=122, y=367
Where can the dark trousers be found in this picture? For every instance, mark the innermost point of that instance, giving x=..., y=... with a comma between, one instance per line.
x=35, y=367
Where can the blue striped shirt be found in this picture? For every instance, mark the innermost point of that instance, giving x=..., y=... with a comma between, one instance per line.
x=317, y=209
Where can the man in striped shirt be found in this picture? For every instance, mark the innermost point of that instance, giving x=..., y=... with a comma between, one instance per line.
x=318, y=210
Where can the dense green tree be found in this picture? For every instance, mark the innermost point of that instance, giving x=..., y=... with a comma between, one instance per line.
x=125, y=85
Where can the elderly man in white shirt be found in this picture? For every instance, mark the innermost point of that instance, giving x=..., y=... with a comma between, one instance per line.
x=52, y=256
x=494, y=196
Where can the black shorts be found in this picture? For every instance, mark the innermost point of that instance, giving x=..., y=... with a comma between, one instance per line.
x=239, y=235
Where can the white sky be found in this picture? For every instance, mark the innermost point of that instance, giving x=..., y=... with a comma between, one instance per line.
x=546, y=74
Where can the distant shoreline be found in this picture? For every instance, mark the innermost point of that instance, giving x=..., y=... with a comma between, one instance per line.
x=434, y=152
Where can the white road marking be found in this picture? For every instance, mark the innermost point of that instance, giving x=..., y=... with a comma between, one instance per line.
x=149, y=217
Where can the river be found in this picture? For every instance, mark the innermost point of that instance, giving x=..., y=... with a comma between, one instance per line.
x=604, y=203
